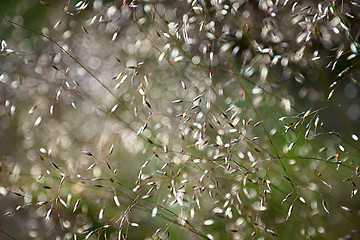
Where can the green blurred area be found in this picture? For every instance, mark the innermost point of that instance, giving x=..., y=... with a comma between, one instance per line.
x=28, y=13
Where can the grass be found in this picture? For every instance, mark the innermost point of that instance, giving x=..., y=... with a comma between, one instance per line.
x=202, y=119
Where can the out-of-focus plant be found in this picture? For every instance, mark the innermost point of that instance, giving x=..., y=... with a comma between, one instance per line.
x=173, y=119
